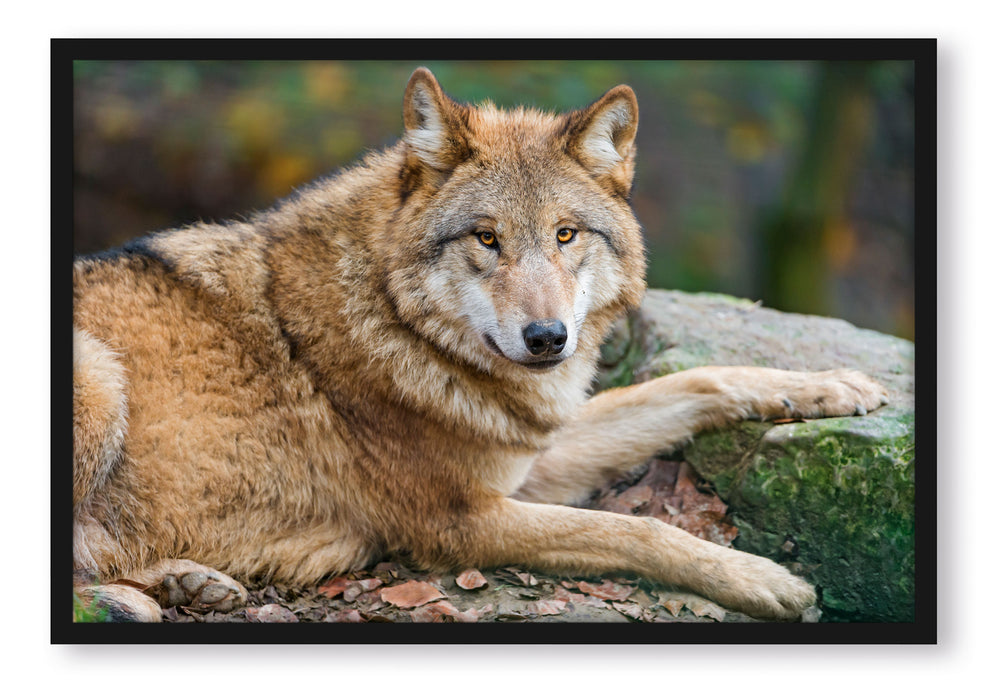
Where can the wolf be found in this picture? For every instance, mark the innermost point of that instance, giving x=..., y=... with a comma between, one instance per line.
x=397, y=360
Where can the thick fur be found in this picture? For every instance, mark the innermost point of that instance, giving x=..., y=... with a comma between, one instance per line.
x=348, y=375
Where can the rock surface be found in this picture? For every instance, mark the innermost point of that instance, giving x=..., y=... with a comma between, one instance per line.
x=832, y=498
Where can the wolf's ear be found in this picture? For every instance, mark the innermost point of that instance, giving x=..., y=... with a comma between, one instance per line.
x=436, y=126
x=601, y=137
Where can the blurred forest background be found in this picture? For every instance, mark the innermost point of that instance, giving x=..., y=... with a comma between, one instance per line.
x=785, y=182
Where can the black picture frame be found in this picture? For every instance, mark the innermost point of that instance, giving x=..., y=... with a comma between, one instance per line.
x=65, y=51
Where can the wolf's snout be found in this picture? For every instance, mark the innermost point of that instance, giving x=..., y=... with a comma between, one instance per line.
x=546, y=337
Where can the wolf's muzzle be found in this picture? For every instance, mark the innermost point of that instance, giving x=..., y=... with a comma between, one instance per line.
x=545, y=337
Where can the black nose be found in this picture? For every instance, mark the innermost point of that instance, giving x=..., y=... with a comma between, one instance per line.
x=546, y=337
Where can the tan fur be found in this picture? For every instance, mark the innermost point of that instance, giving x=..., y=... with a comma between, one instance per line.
x=346, y=375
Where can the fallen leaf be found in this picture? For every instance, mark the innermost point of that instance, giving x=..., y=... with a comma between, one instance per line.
x=344, y=616
x=629, y=610
x=271, y=595
x=578, y=598
x=473, y=614
x=469, y=615
x=546, y=607
x=670, y=601
x=334, y=588
x=358, y=587
x=372, y=600
x=505, y=612
x=411, y=594
x=471, y=579
x=527, y=578
x=436, y=612
x=606, y=590
x=702, y=607
x=705, y=608
x=273, y=612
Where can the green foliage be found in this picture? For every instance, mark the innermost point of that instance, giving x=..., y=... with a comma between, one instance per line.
x=160, y=143
x=91, y=612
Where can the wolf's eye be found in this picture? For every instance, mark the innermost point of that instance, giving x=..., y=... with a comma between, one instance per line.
x=565, y=235
x=487, y=239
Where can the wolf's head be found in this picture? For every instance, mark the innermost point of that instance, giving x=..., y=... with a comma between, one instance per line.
x=518, y=244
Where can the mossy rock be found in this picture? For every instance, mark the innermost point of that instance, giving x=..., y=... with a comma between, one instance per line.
x=831, y=498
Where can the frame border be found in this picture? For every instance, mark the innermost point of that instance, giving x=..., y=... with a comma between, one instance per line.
x=923, y=52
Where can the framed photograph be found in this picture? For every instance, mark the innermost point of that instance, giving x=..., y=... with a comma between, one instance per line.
x=374, y=331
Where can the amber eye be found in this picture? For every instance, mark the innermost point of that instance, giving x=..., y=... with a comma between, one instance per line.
x=565, y=235
x=487, y=238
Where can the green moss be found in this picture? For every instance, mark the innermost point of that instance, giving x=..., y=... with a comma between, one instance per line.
x=840, y=491
x=833, y=497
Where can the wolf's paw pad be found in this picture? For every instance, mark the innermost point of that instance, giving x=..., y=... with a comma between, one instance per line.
x=839, y=392
x=200, y=591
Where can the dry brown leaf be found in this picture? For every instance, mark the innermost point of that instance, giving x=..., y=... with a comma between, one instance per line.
x=469, y=615
x=606, y=590
x=442, y=611
x=344, y=616
x=334, y=588
x=546, y=607
x=435, y=612
x=474, y=614
x=273, y=612
x=578, y=598
x=370, y=601
x=411, y=594
x=702, y=607
x=705, y=608
x=671, y=601
x=640, y=596
x=629, y=610
x=471, y=579
x=527, y=578
x=358, y=587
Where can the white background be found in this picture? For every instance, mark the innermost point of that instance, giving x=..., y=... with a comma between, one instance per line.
x=28, y=659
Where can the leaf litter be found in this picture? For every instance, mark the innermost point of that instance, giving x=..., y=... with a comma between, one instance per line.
x=392, y=592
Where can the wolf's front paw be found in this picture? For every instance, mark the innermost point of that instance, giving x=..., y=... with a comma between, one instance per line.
x=200, y=590
x=761, y=588
x=837, y=392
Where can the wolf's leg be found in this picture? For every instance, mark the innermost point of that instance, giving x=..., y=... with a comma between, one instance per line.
x=620, y=429
x=139, y=596
x=561, y=539
x=99, y=413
